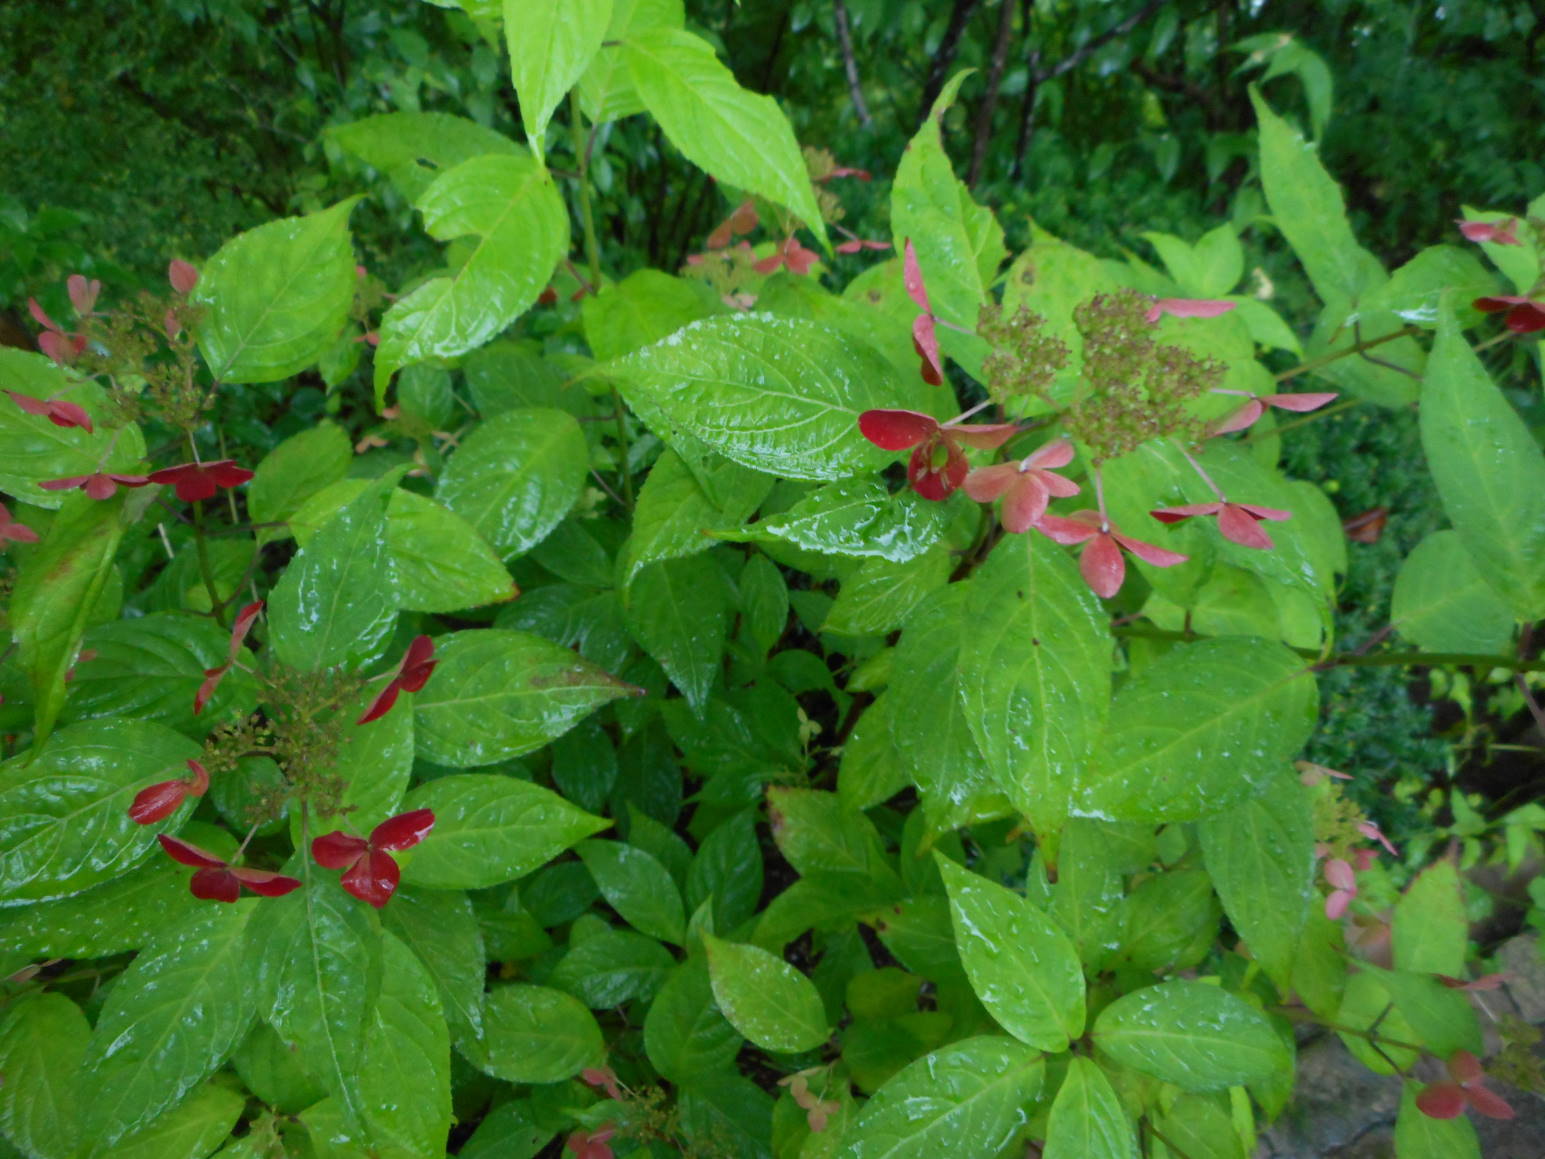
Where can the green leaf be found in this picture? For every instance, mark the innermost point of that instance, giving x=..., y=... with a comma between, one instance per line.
x=1418, y=1136
x=966, y=1100
x=516, y=476
x=1172, y=921
x=685, y=1035
x=315, y=957
x=643, y=308
x=294, y=471
x=534, y=1034
x=191, y=1131
x=149, y=668
x=856, y=517
x=277, y=296
x=1442, y=1017
x=871, y=768
x=612, y=967
x=374, y=762
x=679, y=612
x=738, y=137
x=818, y=834
x=880, y=596
x=440, y=927
x=1308, y=209
x=778, y=395
x=498, y=694
x=1220, y=262
x=1442, y=602
x=56, y=587
x=1415, y=291
x=959, y=243
x=406, y=1036
x=1489, y=471
x=638, y=887
x=509, y=1131
x=64, y=806
x=551, y=43
x=767, y=1000
x=522, y=226
x=33, y=449
x=1035, y=663
x=490, y=829
x=412, y=149
x=727, y=871
x=172, y=1018
x=1203, y=727
x=42, y=1041
x=1087, y=1120
x=336, y=602
x=442, y=563
x=1089, y=897
x=1260, y=856
x=606, y=92
x=1021, y=966
x=675, y=509
x=1199, y=1037
x=1430, y=930
x=273, y=1073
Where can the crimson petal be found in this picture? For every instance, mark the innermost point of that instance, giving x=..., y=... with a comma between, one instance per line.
x=896, y=430
x=404, y=830
x=156, y=802
x=338, y=850
x=373, y=878
x=188, y=854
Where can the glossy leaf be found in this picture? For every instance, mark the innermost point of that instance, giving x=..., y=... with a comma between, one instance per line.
x=1415, y=291
x=1087, y=1120
x=191, y=1131
x=1035, y=668
x=1443, y=603
x=277, y=296
x=679, y=612
x=611, y=967
x=490, y=829
x=778, y=395
x=767, y=1000
x=1203, y=727
x=1419, y=1136
x=1430, y=928
x=880, y=596
x=738, y=137
x=606, y=92
x=406, y=1036
x=42, y=1041
x=64, y=806
x=498, y=694
x=1260, y=856
x=294, y=471
x=510, y=203
x=551, y=43
x=441, y=929
x=534, y=1034
x=675, y=509
x=172, y=1018
x=413, y=148
x=1021, y=966
x=858, y=517
x=56, y=589
x=638, y=887
x=516, y=476
x=967, y=1099
x=685, y=1034
x=1489, y=471
x=336, y=602
x=643, y=308
x=1199, y=1037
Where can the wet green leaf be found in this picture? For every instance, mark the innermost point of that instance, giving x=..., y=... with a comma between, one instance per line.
x=1087, y=1120
x=1199, y=1037
x=534, y=1034
x=42, y=1041
x=638, y=887
x=766, y=999
x=551, y=43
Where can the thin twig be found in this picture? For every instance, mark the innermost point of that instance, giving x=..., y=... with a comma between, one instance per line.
x=849, y=65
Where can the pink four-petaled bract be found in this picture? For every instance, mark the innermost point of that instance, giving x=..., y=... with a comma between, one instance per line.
x=58, y=412
x=370, y=872
x=1101, y=563
x=13, y=532
x=1247, y=415
x=1239, y=522
x=218, y=880
x=925, y=338
x=161, y=800
x=1026, y=486
x=194, y=481
x=102, y=485
x=937, y=466
x=1504, y=233
x=182, y=276
x=789, y=253
x=1188, y=308
x=1466, y=1086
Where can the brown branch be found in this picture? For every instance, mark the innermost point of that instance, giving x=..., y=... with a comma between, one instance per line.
x=938, y=69
x=849, y=65
x=1095, y=43
x=989, y=103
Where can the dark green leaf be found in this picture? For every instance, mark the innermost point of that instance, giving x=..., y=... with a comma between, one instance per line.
x=679, y=612
x=1199, y=1037
x=534, y=1034
x=685, y=1035
x=638, y=887
x=765, y=999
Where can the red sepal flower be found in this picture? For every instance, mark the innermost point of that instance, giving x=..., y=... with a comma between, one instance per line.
x=195, y=481
x=743, y=220
x=1342, y=879
x=591, y=1144
x=856, y=244
x=102, y=485
x=213, y=676
x=1026, y=486
x=410, y=675
x=58, y=412
x=83, y=292
x=925, y=338
x=602, y=1078
x=1188, y=308
x=1524, y=315
x=789, y=253
x=1466, y=1086
x=1503, y=234
x=370, y=872
x=1239, y=522
x=1247, y=415
x=161, y=800
x=13, y=532
x=60, y=345
x=218, y=880
x=938, y=466
x=1101, y=563
x=182, y=276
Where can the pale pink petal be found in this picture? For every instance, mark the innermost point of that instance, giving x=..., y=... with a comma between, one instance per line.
x=1238, y=526
x=1151, y=553
x=1102, y=566
x=1024, y=503
x=987, y=483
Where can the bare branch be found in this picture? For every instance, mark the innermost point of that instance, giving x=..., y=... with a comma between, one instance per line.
x=989, y=103
x=850, y=66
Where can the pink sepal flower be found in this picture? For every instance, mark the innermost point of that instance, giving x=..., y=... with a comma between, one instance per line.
x=195, y=481
x=1340, y=876
x=1524, y=315
x=217, y=880
x=789, y=253
x=182, y=276
x=1466, y=1086
x=591, y=1144
x=410, y=675
x=743, y=220
x=1026, y=486
x=937, y=466
x=1504, y=234
x=854, y=245
x=1247, y=415
x=57, y=411
x=1101, y=562
x=12, y=531
x=60, y=345
x=83, y=292
x=1188, y=308
x=370, y=872
x=161, y=800
x=102, y=485
x=1239, y=522
x=602, y=1078
x=925, y=338
x=213, y=676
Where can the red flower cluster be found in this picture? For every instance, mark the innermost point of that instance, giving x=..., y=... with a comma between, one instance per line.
x=218, y=880
x=1239, y=522
x=102, y=485
x=937, y=466
x=1524, y=315
x=59, y=344
x=1247, y=415
x=161, y=800
x=1101, y=562
x=410, y=675
x=370, y=872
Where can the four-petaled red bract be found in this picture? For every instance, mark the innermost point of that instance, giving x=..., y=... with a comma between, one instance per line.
x=213, y=676
x=1524, y=315
x=1247, y=415
x=937, y=466
x=743, y=220
x=182, y=276
x=370, y=872
x=1101, y=563
x=12, y=531
x=161, y=800
x=789, y=253
x=1026, y=486
x=591, y=1144
x=102, y=485
x=58, y=412
x=1239, y=522
x=217, y=880
x=1504, y=234
x=1466, y=1085
x=411, y=674
x=1188, y=308
x=195, y=481
x=83, y=292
